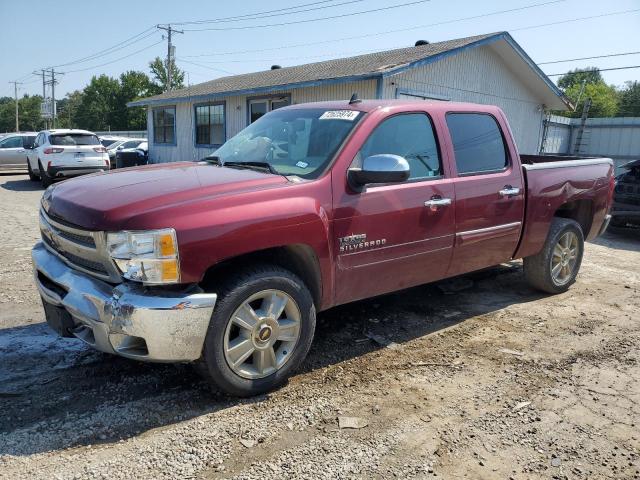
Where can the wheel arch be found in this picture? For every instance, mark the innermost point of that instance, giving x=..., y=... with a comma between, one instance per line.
x=579, y=210
x=299, y=259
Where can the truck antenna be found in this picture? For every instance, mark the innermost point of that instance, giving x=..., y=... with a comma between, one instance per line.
x=354, y=99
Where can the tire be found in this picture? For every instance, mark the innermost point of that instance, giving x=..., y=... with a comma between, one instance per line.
x=32, y=176
x=538, y=268
x=45, y=179
x=246, y=378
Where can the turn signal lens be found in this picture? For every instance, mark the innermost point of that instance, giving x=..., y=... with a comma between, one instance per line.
x=49, y=151
x=166, y=245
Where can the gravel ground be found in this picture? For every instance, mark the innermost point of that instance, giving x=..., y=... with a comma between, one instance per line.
x=492, y=381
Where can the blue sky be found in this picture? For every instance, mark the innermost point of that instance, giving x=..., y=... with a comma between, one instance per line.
x=53, y=33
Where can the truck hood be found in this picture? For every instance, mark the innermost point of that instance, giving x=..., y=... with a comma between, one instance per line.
x=108, y=201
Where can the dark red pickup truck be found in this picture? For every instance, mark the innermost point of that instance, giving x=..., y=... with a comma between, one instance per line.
x=225, y=262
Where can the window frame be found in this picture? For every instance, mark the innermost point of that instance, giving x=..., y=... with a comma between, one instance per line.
x=195, y=123
x=507, y=150
x=430, y=120
x=268, y=99
x=175, y=122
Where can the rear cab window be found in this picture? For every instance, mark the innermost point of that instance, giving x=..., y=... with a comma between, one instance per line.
x=71, y=139
x=478, y=143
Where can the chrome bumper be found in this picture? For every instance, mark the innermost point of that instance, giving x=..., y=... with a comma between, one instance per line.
x=605, y=224
x=130, y=320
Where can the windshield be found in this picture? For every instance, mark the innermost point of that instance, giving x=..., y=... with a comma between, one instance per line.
x=74, y=139
x=297, y=141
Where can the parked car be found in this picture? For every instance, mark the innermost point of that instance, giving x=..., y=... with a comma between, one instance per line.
x=626, y=199
x=123, y=145
x=13, y=151
x=133, y=157
x=226, y=262
x=64, y=153
x=108, y=140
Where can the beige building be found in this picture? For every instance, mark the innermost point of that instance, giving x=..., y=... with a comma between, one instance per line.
x=190, y=123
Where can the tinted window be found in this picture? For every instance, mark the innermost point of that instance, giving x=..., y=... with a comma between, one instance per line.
x=164, y=122
x=410, y=136
x=210, y=124
x=74, y=139
x=12, y=142
x=477, y=143
x=28, y=141
x=131, y=144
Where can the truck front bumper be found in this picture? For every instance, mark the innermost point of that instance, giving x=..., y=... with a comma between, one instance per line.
x=157, y=325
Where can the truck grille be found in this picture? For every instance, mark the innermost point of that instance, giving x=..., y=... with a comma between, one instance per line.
x=83, y=250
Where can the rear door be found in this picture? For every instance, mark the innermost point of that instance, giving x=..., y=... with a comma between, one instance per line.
x=489, y=192
x=12, y=153
x=386, y=237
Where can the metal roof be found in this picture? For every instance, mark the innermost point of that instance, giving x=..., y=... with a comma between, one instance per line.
x=361, y=67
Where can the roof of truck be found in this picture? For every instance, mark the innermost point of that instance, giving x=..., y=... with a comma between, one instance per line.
x=369, y=105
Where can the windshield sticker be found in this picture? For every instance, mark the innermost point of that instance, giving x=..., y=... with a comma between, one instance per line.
x=302, y=164
x=349, y=115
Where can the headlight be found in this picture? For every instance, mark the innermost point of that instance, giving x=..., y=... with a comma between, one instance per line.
x=148, y=256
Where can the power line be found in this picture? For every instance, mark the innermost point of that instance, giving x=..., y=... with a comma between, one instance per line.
x=270, y=13
x=589, y=58
x=599, y=69
x=116, y=60
x=296, y=22
x=387, y=32
x=204, y=66
x=575, y=20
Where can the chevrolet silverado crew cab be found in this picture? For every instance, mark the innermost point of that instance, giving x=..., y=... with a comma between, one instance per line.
x=225, y=262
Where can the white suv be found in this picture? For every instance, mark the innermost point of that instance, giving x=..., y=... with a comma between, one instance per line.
x=64, y=153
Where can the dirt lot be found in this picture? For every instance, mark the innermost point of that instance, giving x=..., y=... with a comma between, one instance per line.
x=494, y=381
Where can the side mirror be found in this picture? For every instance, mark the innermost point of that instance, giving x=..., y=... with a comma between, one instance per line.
x=383, y=168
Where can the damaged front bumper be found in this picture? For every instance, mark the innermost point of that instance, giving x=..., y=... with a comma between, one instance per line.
x=158, y=325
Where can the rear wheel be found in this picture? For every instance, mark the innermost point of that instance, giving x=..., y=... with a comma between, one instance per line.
x=45, y=179
x=260, y=331
x=32, y=176
x=556, y=266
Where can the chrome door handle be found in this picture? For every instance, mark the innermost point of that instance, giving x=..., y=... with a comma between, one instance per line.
x=509, y=191
x=437, y=202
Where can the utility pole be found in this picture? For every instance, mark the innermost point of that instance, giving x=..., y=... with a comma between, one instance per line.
x=53, y=98
x=170, y=52
x=44, y=92
x=15, y=94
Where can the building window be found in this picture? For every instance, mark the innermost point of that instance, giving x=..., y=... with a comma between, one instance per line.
x=210, y=124
x=164, y=125
x=260, y=106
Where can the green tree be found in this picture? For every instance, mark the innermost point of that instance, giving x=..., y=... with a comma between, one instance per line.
x=630, y=100
x=589, y=75
x=28, y=111
x=133, y=85
x=68, y=108
x=604, y=99
x=98, y=104
x=159, y=71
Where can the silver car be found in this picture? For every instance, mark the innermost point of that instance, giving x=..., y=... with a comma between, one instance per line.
x=13, y=151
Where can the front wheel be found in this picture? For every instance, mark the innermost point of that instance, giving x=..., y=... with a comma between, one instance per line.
x=260, y=331
x=556, y=266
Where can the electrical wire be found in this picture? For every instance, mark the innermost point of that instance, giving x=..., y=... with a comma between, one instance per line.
x=309, y=20
x=376, y=34
x=204, y=66
x=561, y=22
x=260, y=15
x=599, y=69
x=116, y=60
x=589, y=58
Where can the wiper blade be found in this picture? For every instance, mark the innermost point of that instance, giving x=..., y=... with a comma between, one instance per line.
x=253, y=165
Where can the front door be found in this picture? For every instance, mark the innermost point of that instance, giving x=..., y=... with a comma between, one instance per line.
x=386, y=238
x=489, y=193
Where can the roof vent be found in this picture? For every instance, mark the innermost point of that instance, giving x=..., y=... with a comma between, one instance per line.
x=275, y=67
x=419, y=43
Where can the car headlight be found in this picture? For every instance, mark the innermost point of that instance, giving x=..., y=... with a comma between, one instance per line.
x=149, y=256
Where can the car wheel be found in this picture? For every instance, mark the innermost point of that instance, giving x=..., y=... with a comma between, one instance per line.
x=260, y=331
x=556, y=266
x=32, y=176
x=45, y=179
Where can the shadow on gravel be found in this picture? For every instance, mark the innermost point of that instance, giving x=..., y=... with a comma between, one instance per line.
x=22, y=185
x=627, y=238
x=55, y=393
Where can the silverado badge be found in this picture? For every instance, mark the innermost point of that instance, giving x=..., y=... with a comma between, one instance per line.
x=358, y=242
